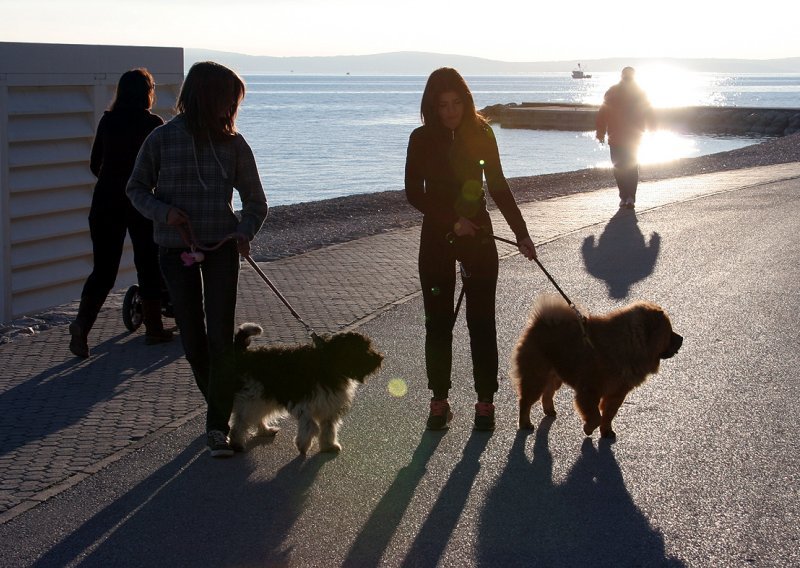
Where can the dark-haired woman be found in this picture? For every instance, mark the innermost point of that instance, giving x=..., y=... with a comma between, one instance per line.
x=183, y=180
x=448, y=158
x=120, y=134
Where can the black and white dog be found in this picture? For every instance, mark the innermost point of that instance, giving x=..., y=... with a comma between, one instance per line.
x=315, y=383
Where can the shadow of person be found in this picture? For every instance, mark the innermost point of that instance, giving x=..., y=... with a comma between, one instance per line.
x=621, y=257
x=65, y=394
x=588, y=520
x=434, y=534
x=197, y=511
x=370, y=544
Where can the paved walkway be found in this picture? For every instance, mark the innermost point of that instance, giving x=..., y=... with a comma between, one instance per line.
x=63, y=419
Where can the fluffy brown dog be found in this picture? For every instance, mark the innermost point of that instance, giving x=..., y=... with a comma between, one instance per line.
x=621, y=349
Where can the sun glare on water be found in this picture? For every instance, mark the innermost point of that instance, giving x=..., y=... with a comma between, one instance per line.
x=664, y=146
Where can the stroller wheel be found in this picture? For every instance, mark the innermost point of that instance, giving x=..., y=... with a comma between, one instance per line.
x=132, y=309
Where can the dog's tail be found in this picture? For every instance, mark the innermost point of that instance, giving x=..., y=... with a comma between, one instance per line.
x=244, y=333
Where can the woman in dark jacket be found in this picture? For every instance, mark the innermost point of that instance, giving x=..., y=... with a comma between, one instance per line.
x=120, y=134
x=448, y=158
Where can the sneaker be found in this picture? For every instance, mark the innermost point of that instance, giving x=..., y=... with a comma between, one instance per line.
x=630, y=203
x=484, y=416
x=218, y=445
x=440, y=415
x=623, y=203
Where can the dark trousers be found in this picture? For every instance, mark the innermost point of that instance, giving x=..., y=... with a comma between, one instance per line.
x=107, y=229
x=437, y=274
x=204, y=300
x=626, y=170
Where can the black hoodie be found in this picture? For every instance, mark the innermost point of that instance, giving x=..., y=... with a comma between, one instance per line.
x=444, y=177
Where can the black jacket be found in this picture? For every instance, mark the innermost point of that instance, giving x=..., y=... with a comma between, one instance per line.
x=120, y=134
x=444, y=178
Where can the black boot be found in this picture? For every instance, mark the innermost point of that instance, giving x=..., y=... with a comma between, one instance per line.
x=80, y=328
x=154, y=327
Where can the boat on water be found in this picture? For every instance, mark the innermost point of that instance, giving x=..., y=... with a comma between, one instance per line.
x=579, y=73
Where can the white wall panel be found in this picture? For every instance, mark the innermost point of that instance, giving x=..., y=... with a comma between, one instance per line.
x=51, y=98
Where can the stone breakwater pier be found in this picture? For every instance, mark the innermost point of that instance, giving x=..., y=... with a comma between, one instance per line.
x=730, y=121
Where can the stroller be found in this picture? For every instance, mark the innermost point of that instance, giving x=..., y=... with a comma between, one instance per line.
x=132, y=307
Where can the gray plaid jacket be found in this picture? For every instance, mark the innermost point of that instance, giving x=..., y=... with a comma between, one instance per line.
x=198, y=177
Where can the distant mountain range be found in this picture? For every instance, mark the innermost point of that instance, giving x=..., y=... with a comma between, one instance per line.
x=420, y=63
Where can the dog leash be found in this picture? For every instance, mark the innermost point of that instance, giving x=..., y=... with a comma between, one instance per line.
x=464, y=275
x=581, y=317
x=286, y=303
x=196, y=255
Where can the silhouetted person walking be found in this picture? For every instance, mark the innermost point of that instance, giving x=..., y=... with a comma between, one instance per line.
x=625, y=114
x=120, y=134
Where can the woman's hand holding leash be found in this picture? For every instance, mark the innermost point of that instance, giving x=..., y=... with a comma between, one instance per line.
x=465, y=228
x=527, y=248
x=242, y=243
x=177, y=216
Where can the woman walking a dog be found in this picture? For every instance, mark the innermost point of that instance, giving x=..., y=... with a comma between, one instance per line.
x=120, y=134
x=183, y=180
x=448, y=158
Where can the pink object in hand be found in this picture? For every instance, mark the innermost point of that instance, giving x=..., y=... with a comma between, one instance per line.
x=189, y=258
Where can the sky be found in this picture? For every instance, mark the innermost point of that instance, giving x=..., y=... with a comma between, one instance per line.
x=520, y=30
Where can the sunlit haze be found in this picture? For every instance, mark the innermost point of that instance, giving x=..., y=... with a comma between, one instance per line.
x=502, y=30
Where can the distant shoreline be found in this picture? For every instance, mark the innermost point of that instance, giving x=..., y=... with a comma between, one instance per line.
x=422, y=63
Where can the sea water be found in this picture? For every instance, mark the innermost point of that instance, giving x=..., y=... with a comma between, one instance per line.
x=318, y=137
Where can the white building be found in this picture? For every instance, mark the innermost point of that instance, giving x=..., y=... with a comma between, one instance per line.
x=51, y=99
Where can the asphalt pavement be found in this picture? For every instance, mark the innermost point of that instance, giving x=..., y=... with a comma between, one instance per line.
x=103, y=460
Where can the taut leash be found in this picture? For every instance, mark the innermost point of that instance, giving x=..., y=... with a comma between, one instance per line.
x=581, y=317
x=277, y=292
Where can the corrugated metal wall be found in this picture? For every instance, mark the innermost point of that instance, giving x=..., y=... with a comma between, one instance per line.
x=47, y=125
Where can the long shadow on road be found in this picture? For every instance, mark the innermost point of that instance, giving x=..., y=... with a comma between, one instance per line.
x=588, y=520
x=64, y=394
x=371, y=543
x=195, y=512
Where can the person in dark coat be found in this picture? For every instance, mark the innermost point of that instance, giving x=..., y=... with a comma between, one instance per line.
x=448, y=158
x=625, y=114
x=120, y=134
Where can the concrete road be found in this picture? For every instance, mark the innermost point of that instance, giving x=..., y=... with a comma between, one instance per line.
x=704, y=471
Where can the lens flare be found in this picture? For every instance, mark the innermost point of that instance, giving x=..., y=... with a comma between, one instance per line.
x=397, y=388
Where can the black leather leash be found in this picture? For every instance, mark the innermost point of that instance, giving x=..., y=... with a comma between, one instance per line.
x=286, y=303
x=581, y=317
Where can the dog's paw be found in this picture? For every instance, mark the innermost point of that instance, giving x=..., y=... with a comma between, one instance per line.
x=588, y=429
x=550, y=412
x=267, y=431
x=302, y=446
x=332, y=449
x=526, y=425
x=608, y=434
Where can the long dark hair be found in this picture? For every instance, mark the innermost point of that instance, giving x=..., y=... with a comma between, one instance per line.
x=209, y=99
x=444, y=80
x=136, y=89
